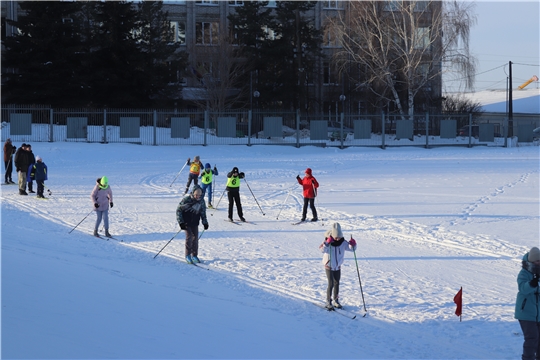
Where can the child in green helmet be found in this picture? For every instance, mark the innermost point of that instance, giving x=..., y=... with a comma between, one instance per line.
x=102, y=197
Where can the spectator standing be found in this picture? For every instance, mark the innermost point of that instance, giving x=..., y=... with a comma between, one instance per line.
x=527, y=309
x=9, y=151
x=22, y=162
x=40, y=171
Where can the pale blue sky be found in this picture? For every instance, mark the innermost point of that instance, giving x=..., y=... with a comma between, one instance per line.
x=506, y=31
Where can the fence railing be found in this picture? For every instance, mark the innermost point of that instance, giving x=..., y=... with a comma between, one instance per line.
x=254, y=127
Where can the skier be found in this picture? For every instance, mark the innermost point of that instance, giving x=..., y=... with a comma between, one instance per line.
x=40, y=174
x=233, y=192
x=190, y=210
x=207, y=180
x=9, y=150
x=194, y=171
x=310, y=186
x=102, y=197
x=528, y=304
x=333, y=248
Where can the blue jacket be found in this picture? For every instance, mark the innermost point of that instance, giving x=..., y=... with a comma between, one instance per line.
x=37, y=171
x=527, y=302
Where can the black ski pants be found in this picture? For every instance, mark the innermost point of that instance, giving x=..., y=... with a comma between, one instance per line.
x=192, y=240
x=531, y=337
x=311, y=202
x=234, y=197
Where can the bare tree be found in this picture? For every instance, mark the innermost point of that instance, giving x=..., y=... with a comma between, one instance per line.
x=221, y=71
x=404, y=45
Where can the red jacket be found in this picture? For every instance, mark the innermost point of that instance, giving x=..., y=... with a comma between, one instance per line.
x=310, y=184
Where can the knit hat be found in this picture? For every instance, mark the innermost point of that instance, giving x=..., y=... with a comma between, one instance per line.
x=38, y=158
x=234, y=169
x=196, y=158
x=308, y=171
x=534, y=254
x=207, y=166
x=335, y=231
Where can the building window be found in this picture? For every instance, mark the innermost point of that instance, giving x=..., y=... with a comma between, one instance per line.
x=270, y=33
x=393, y=5
x=330, y=36
x=206, y=2
x=272, y=4
x=207, y=33
x=421, y=6
x=330, y=4
x=179, y=31
x=421, y=38
x=328, y=77
x=236, y=3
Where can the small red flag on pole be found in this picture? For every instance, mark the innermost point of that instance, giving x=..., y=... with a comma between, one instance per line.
x=459, y=302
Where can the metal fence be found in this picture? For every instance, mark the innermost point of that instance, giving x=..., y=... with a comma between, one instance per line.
x=256, y=127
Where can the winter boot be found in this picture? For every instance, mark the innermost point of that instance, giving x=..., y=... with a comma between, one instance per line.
x=195, y=259
x=230, y=219
x=314, y=219
x=107, y=234
x=242, y=219
x=210, y=206
x=22, y=192
x=329, y=305
x=96, y=233
x=336, y=304
x=189, y=260
x=30, y=190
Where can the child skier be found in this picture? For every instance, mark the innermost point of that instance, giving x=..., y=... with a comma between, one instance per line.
x=207, y=180
x=334, y=247
x=40, y=175
x=194, y=171
x=101, y=198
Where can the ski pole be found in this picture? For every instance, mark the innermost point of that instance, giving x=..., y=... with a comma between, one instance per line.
x=200, y=236
x=289, y=193
x=48, y=190
x=167, y=243
x=221, y=197
x=178, y=173
x=81, y=221
x=359, y=281
x=254, y=197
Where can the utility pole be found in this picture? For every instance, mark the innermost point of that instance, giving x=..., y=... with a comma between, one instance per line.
x=510, y=105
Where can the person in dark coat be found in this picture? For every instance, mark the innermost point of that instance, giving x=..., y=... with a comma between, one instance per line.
x=9, y=151
x=527, y=310
x=189, y=212
x=31, y=161
x=22, y=162
x=233, y=192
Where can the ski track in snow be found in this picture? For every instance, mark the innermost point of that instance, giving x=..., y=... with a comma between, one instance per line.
x=268, y=266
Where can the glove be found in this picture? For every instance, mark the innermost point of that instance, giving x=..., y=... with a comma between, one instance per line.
x=329, y=239
x=111, y=205
x=352, y=242
x=183, y=226
x=187, y=162
x=534, y=281
x=298, y=177
x=242, y=175
x=205, y=226
x=215, y=169
x=96, y=205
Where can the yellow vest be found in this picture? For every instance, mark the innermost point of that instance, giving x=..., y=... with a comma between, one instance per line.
x=207, y=177
x=233, y=182
x=195, y=168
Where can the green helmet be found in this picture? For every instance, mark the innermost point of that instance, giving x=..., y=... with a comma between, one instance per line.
x=104, y=182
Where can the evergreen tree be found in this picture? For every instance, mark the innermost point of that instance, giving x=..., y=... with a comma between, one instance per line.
x=40, y=62
x=164, y=61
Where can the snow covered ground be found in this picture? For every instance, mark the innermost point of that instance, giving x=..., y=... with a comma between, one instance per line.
x=427, y=222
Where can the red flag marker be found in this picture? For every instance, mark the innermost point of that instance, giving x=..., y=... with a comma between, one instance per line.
x=459, y=302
